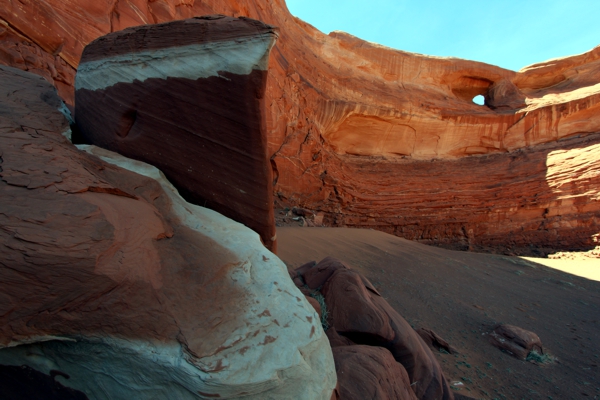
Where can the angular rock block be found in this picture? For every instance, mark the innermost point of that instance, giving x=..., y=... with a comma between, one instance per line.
x=516, y=341
x=188, y=98
x=435, y=341
x=115, y=286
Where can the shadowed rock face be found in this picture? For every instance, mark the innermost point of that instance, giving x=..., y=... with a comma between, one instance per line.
x=370, y=372
x=187, y=97
x=108, y=277
x=376, y=351
x=23, y=382
x=336, y=103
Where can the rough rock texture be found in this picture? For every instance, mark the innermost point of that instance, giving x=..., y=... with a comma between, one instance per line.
x=18, y=51
x=107, y=276
x=367, y=372
x=516, y=341
x=187, y=97
x=530, y=201
x=337, y=104
x=358, y=315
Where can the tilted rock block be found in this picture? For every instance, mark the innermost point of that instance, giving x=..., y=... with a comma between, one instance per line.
x=109, y=277
x=188, y=98
x=516, y=341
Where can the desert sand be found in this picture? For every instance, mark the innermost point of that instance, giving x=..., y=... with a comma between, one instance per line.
x=584, y=264
x=462, y=296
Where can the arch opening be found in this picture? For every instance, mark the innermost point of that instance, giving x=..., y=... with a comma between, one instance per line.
x=479, y=100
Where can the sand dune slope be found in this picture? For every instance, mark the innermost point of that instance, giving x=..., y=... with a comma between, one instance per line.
x=462, y=296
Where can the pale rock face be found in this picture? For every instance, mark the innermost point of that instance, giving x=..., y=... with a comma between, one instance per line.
x=239, y=57
x=109, y=277
x=248, y=361
x=298, y=365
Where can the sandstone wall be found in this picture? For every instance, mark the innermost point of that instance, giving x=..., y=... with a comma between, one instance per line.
x=332, y=98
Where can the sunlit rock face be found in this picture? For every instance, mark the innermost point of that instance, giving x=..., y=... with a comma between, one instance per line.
x=116, y=286
x=188, y=98
x=337, y=104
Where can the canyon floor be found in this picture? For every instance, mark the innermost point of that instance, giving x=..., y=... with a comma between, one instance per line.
x=462, y=296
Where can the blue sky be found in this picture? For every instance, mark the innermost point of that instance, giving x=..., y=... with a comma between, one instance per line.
x=507, y=33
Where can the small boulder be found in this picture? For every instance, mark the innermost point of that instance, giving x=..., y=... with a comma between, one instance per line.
x=435, y=341
x=516, y=341
x=304, y=267
x=302, y=212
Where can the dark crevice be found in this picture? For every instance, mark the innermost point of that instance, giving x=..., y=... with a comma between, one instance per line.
x=76, y=135
x=275, y=172
x=23, y=382
x=368, y=339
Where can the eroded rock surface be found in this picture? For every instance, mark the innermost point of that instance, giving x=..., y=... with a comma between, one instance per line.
x=516, y=341
x=367, y=334
x=367, y=372
x=187, y=97
x=337, y=104
x=108, y=277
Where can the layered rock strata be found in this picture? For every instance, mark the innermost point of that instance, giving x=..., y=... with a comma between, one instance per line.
x=21, y=52
x=531, y=201
x=335, y=101
x=115, y=286
x=187, y=97
x=377, y=353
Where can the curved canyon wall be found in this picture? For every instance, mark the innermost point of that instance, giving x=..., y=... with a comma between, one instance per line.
x=383, y=138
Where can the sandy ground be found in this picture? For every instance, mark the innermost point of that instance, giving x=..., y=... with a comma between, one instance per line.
x=462, y=296
x=585, y=264
x=584, y=267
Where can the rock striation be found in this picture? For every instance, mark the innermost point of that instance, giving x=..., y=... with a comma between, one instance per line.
x=116, y=287
x=336, y=103
x=529, y=201
x=187, y=97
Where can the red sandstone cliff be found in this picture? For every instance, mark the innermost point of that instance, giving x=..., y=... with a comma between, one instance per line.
x=351, y=125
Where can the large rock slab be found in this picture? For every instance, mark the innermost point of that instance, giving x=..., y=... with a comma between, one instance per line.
x=187, y=97
x=359, y=317
x=108, y=277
